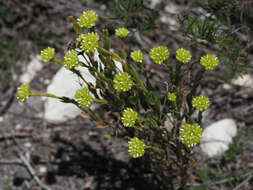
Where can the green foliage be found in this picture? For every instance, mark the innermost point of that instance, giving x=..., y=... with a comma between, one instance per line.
x=134, y=14
x=232, y=153
x=217, y=30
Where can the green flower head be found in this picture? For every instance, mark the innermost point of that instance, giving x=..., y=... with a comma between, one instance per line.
x=89, y=42
x=122, y=82
x=121, y=32
x=172, y=97
x=209, y=61
x=201, y=103
x=24, y=92
x=88, y=19
x=183, y=55
x=159, y=54
x=191, y=134
x=136, y=147
x=83, y=97
x=47, y=54
x=129, y=117
x=137, y=56
x=71, y=59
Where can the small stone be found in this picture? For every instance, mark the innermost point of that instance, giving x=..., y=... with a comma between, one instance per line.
x=28, y=145
x=32, y=69
x=244, y=81
x=218, y=136
x=42, y=170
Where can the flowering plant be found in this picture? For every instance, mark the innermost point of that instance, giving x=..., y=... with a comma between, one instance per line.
x=127, y=93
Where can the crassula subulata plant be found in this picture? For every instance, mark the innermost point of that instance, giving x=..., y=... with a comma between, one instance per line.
x=142, y=110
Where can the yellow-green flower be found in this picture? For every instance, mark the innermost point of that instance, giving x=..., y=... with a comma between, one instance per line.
x=183, y=55
x=121, y=32
x=47, y=54
x=88, y=19
x=136, y=147
x=83, y=97
x=122, y=82
x=71, y=59
x=191, y=134
x=201, y=103
x=137, y=56
x=89, y=42
x=209, y=61
x=159, y=54
x=24, y=92
x=172, y=97
x=129, y=117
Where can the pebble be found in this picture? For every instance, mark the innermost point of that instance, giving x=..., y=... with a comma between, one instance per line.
x=31, y=70
x=218, y=136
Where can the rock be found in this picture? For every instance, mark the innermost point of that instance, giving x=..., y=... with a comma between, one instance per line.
x=218, y=136
x=153, y=3
x=244, y=81
x=32, y=68
x=66, y=83
x=42, y=170
x=171, y=21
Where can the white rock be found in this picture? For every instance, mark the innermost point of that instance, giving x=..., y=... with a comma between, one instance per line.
x=171, y=21
x=153, y=3
x=28, y=145
x=42, y=170
x=65, y=83
x=32, y=68
x=218, y=136
x=245, y=81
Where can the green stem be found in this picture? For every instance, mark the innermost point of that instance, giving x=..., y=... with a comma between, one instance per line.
x=100, y=101
x=38, y=94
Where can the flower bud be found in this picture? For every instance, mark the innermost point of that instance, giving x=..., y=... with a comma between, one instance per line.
x=191, y=134
x=159, y=54
x=209, y=61
x=129, y=117
x=83, y=97
x=136, y=147
x=183, y=55
x=121, y=32
x=201, y=103
x=24, y=91
x=122, y=82
x=71, y=59
x=137, y=56
x=47, y=54
x=88, y=19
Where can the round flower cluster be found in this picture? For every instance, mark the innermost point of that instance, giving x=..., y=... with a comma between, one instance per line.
x=159, y=54
x=136, y=147
x=121, y=32
x=71, y=59
x=137, y=56
x=183, y=55
x=209, y=61
x=83, y=97
x=89, y=41
x=122, y=82
x=88, y=19
x=201, y=103
x=24, y=91
x=191, y=134
x=47, y=54
x=172, y=97
x=129, y=117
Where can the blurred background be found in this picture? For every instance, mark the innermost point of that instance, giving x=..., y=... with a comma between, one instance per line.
x=65, y=151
